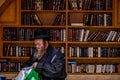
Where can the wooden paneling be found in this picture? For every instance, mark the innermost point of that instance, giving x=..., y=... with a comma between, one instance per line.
x=2, y=2
x=118, y=12
x=10, y=15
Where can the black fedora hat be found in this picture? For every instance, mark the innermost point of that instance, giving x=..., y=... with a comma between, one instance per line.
x=40, y=34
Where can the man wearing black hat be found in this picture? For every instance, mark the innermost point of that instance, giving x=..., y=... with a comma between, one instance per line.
x=47, y=61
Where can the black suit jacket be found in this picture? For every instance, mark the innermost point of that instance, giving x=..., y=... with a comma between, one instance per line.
x=51, y=66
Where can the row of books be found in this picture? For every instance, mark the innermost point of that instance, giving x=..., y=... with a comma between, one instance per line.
x=23, y=51
x=34, y=19
x=25, y=34
x=86, y=35
x=10, y=66
x=57, y=34
x=89, y=19
x=12, y=34
x=13, y=50
x=30, y=19
x=90, y=4
x=95, y=19
x=92, y=19
x=60, y=20
x=93, y=52
x=74, y=67
x=43, y=4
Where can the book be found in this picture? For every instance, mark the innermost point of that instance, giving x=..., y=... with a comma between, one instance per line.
x=3, y=60
x=76, y=24
x=36, y=19
x=57, y=20
x=8, y=50
x=38, y=4
x=86, y=35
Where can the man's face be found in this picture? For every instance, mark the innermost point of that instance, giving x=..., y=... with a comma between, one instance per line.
x=40, y=47
x=39, y=44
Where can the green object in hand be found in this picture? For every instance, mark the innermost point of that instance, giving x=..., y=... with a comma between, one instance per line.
x=32, y=75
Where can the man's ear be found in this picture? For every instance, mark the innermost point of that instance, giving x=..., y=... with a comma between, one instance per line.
x=46, y=44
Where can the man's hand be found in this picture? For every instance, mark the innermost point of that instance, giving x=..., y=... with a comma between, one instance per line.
x=34, y=64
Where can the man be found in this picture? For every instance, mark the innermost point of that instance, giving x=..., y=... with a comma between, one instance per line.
x=47, y=61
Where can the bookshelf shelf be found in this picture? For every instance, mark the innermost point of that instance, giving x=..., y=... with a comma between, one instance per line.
x=16, y=58
x=17, y=42
x=8, y=73
x=95, y=59
x=93, y=74
x=94, y=27
x=34, y=26
x=93, y=11
x=43, y=11
x=95, y=43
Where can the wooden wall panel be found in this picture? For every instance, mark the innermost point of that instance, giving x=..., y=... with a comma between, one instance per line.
x=10, y=15
x=1, y=2
x=118, y=12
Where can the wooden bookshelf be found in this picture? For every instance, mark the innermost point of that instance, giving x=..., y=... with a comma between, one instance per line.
x=67, y=23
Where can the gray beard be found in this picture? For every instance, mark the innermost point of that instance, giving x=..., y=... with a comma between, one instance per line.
x=38, y=54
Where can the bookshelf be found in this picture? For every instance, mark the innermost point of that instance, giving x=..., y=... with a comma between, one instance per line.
x=86, y=31
x=88, y=48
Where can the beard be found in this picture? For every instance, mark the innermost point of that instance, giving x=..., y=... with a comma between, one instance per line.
x=38, y=54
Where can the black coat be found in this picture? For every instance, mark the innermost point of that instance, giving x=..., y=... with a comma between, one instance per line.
x=51, y=66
